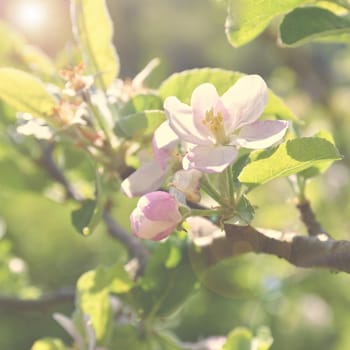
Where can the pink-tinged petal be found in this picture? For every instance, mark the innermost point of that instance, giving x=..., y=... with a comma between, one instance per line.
x=149, y=177
x=181, y=120
x=159, y=206
x=156, y=216
x=144, y=228
x=204, y=98
x=163, y=143
x=209, y=159
x=262, y=134
x=245, y=101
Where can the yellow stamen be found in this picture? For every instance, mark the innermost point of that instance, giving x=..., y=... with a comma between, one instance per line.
x=215, y=123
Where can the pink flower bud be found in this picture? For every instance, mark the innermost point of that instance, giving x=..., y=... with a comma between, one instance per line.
x=155, y=216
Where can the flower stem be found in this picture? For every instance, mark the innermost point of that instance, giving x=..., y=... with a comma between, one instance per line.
x=211, y=191
x=230, y=184
x=206, y=212
x=101, y=122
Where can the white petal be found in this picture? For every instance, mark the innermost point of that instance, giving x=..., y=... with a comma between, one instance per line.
x=147, y=178
x=164, y=137
x=245, y=101
x=152, y=230
x=36, y=129
x=181, y=121
x=204, y=98
x=209, y=159
x=163, y=143
x=262, y=134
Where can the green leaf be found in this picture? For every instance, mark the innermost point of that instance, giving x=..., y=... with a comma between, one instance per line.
x=239, y=339
x=288, y=158
x=93, y=30
x=128, y=337
x=248, y=18
x=10, y=41
x=242, y=339
x=86, y=218
x=182, y=85
x=49, y=344
x=25, y=93
x=140, y=103
x=139, y=124
x=244, y=213
x=277, y=107
x=168, y=280
x=37, y=60
x=313, y=24
x=93, y=289
x=322, y=167
x=263, y=338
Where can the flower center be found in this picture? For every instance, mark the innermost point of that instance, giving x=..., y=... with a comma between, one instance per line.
x=215, y=123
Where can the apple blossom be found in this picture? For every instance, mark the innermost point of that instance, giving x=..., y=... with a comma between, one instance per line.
x=150, y=175
x=216, y=126
x=155, y=216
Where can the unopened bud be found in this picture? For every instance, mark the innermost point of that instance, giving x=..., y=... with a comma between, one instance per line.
x=156, y=216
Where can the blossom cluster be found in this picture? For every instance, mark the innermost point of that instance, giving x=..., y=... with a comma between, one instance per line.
x=201, y=138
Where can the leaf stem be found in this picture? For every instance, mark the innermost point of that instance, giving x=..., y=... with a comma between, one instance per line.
x=230, y=184
x=206, y=212
x=211, y=191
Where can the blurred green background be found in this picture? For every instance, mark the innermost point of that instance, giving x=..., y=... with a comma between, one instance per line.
x=39, y=250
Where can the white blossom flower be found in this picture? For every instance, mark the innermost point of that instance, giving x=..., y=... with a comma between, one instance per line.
x=216, y=126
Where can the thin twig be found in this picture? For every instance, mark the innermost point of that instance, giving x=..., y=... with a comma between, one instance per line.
x=47, y=161
x=308, y=217
x=42, y=304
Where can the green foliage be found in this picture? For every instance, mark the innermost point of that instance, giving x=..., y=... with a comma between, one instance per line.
x=244, y=213
x=94, y=32
x=14, y=277
x=25, y=93
x=182, y=85
x=36, y=60
x=139, y=124
x=168, y=280
x=49, y=344
x=16, y=51
x=86, y=218
x=322, y=167
x=239, y=339
x=303, y=25
x=288, y=158
x=154, y=302
x=93, y=289
x=243, y=339
x=128, y=337
x=248, y=18
x=140, y=103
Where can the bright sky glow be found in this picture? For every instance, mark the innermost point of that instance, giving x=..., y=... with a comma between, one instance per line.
x=30, y=15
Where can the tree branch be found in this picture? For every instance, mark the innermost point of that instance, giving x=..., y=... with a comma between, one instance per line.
x=318, y=251
x=43, y=304
x=133, y=245
x=46, y=160
x=308, y=217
